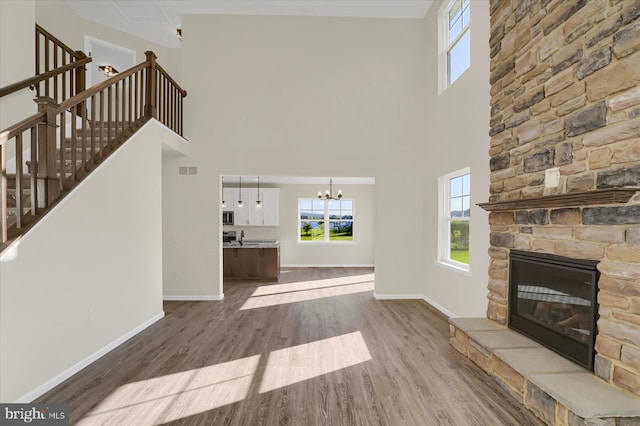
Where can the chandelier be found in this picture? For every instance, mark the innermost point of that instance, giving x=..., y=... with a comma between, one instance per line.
x=328, y=195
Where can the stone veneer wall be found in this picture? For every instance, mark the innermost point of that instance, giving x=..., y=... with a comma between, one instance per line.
x=565, y=92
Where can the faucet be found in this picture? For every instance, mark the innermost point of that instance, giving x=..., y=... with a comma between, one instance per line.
x=241, y=236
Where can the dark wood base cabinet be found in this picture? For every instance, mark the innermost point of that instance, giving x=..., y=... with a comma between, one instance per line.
x=252, y=263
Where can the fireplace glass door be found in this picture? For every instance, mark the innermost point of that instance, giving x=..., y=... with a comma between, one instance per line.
x=553, y=301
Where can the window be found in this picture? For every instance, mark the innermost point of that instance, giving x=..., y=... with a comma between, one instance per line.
x=456, y=52
x=455, y=206
x=325, y=220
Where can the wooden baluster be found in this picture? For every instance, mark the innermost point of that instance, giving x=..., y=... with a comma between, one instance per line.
x=80, y=73
x=55, y=79
x=109, y=115
x=101, y=144
x=93, y=129
x=63, y=140
x=83, y=154
x=37, y=52
x=150, y=108
x=129, y=99
x=64, y=77
x=19, y=188
x=47, y=150
x=166, y=102
x=140, y=98
x=74, y=143
x=34, y=166
x=3, y=192
x=174, y=122
x=46, y=66
x=117, y=104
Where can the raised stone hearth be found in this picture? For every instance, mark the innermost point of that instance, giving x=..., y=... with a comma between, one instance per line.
x=558, y=391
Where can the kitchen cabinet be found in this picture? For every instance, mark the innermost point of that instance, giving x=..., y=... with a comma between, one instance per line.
x=249, y=214
x=252, y=263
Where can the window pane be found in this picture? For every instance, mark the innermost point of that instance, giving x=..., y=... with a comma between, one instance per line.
x=347, y=204
x=305, y=204
x=311, y=230
x=455, y=189
x=459, y=57
x=456, y=207
x=335, y=204
x=466, y=184
x=459, y=241
x=466, y=13
x=466, y=206
x=455, y=12
x=318, y=206
x=341, y=231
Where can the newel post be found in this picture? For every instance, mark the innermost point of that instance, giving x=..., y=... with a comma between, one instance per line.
x=151, y=109
x=80, y=79
x=48, y=188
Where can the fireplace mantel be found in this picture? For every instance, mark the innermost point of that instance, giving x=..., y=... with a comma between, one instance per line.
x=572, y=199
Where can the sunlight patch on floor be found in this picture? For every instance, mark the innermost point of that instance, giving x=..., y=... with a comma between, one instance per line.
x=298, y=363
x=312, y=284
x=178, y=395
x=305, y=295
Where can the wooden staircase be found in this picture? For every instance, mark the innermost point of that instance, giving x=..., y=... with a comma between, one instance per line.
x=70, y=136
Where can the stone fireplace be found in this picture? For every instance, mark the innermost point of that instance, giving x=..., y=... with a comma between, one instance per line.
x=565, y=97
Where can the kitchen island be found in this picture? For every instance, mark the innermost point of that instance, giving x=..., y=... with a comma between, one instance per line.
x=252, y=260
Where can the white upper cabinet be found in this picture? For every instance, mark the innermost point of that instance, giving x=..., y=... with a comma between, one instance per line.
x=249, y=214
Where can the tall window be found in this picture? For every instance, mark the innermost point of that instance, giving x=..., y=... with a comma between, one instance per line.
x=457, y=40
x=325, y=220
x=455, y=189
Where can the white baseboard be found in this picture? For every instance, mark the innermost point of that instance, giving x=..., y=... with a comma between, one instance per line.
x=327, y=265
x=397, y=296
x=55, y=381
x=439, y=307
x=174, y=298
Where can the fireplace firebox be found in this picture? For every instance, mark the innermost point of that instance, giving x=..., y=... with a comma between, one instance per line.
x=553, y=300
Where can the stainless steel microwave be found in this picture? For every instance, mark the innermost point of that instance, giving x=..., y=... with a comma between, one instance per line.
x=227, y=218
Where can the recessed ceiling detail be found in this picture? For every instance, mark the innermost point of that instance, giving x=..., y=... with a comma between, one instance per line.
x=157, y=20
x=139, y=10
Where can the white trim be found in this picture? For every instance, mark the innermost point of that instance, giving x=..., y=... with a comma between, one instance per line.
x=398, y=296
x=439, y=307
x=453, y=267
x=445, y=45
x=194, y=298
x=328, y=265
x=55, y=381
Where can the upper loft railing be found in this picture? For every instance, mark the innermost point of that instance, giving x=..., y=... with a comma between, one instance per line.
x=61, y=144
x=60, y=71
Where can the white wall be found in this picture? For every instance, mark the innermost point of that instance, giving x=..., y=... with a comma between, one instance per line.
x=458, y=137
x=17, y=41
x=293, y=253
x=64, y=23
x=300, y=97
x=90, y=272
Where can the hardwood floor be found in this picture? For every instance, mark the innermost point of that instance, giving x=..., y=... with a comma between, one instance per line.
x=313, y=349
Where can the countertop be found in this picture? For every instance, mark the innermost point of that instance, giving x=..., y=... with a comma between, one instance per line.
x=252, y=244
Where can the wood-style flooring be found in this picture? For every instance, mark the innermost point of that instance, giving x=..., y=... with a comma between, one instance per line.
x=314, y=349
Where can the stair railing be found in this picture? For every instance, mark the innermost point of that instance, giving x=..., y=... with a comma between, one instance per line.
x=60, y=70
x=68, y=140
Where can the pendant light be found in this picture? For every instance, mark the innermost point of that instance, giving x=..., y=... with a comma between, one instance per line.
x=240, y=194
x=328, y=195
x=223, y=203
x=258, y=202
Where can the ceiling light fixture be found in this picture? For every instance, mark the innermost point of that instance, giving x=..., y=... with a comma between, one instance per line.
x=108, y=70
x=328, y=195
x=258, y=202
x=240, y=194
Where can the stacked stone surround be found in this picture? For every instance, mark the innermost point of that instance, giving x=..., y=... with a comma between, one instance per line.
x=565, y=92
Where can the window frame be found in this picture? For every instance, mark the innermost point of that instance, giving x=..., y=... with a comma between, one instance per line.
x=447, y=45
x=445, y=219
x=327, y=220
